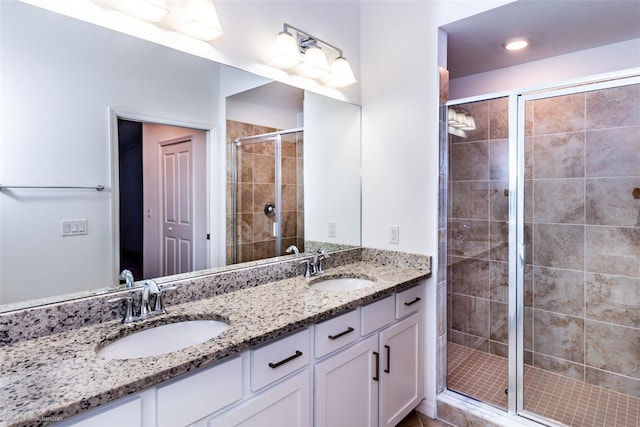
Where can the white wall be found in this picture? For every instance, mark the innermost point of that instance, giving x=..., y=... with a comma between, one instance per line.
x=249, y=26
x=332, y=155
x=58, y=134
x=400, y=81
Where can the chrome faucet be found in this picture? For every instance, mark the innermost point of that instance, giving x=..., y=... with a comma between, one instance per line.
x=315, y=264
x=293, y=248
x=127, y=276
x=148, y=288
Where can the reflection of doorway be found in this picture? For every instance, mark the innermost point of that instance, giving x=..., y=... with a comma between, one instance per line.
x=162, y=198
x=176, y=170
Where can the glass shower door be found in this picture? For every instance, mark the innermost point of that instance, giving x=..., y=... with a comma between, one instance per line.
x=581, y=275
x=267, y=193
x=477, y=255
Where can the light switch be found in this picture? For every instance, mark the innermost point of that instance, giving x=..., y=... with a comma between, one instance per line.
x=332, y=229
x=74, y=227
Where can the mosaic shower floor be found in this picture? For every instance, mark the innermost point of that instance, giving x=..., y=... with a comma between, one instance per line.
x=483, y=376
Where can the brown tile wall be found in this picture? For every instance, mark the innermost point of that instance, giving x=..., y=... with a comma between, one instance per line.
x=477, y=230
x=582, y=226
x=256, y=187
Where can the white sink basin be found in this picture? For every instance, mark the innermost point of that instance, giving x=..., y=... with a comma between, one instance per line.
x=342, y=284
x=163, y=339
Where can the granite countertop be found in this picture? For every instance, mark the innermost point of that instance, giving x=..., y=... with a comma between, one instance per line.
x=50, y=378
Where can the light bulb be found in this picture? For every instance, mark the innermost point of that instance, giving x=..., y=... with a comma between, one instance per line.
x=341, y=73
x=200, y=20
x=285, y=52
x=315, y=63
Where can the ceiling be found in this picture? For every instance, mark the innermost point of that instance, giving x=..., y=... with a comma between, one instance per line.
x=555, y=27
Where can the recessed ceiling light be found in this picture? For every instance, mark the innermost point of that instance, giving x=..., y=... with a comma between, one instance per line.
x=516, y=44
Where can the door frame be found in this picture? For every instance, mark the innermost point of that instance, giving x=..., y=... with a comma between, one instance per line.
x=212, y=177
x=515, y=408
x=517, y=242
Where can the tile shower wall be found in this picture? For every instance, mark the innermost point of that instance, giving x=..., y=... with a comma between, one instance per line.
x=582, y=227
x=477, y=233
x=256, y=187
x=582, y=155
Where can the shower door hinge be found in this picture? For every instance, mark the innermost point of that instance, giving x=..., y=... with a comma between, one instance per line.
x=208, y=236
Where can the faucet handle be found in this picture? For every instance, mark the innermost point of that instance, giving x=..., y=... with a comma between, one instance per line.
x=127, y=276
x=128, y=316
x=309, y=267
x=322, y=255
x=159, y=305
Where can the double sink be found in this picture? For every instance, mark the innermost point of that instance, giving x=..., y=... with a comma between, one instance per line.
x=167, y=338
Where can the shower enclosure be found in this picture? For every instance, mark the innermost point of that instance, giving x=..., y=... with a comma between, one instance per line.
x=543, y=254
x=266, y=195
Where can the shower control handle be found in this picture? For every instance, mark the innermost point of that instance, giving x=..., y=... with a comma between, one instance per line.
x=269, y=209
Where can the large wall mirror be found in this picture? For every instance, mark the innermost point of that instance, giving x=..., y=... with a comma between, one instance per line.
x=80, y=107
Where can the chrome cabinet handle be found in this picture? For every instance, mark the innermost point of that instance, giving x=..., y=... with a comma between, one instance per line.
x=333, y=337
x=283, y=361
x=412, y=302
x=388, y=370
x=376, y=377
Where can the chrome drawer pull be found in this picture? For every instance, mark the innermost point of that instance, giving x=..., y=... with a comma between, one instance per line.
x=412, y=302
x=288, y=359
x=349, y=329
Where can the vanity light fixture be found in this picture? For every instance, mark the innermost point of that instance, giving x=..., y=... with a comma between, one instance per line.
x=200, y=20
x=516, y=44
x=194, y=18
x=149, y=10
x=285, y=52
x=296, y=48
x=460, y=120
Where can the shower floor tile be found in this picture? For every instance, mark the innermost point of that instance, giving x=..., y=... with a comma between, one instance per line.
x=484, y=377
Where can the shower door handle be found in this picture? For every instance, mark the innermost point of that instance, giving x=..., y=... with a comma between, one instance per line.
x=523, y=253
x=276, y=229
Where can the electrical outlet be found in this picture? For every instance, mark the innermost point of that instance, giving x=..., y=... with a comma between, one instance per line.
x=394, y=234
x=332, y=229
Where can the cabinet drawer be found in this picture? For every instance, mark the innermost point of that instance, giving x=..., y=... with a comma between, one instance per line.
x=335, y=333
x=127, y=414
x=189, y=399
x=278, y=359
x=376, y=315
x=409, y=301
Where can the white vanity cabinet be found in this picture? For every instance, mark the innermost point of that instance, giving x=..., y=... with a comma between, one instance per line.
x=126, y=413
x=279, y=391
x=361, y=368
x=286, y=404
x=187, y=399
x=401, y=371
x=378, y=380
x=346, y=391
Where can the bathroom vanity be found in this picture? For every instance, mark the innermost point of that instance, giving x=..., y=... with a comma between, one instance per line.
x=318, y=357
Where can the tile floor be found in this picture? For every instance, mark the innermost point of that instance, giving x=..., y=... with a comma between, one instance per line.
x=483, y=376
x=416, y=419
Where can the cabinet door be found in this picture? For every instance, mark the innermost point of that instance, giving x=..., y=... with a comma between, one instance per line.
x=346, y=387
x=197, y=395
x=127, y=414
x=287, y=404
x=401, y=370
